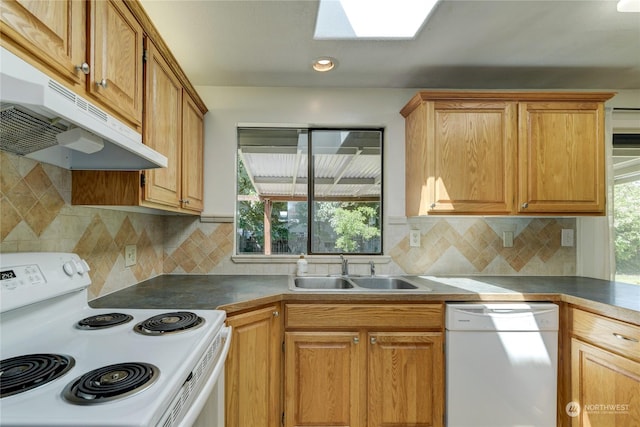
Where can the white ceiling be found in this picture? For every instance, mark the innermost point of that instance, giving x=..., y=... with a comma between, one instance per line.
x=465, y=44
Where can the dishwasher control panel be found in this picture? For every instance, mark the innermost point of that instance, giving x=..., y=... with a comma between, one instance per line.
x=502, y=317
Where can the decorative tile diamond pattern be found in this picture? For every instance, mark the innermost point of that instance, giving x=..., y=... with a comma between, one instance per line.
x=34, y=216
x=101, y=250
x=199, y=253
x=481, y=246
x=32, y=198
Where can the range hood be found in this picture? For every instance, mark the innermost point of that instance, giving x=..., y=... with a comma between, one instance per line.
x=43, y=120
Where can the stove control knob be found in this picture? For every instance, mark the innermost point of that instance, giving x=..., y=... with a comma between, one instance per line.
x=69, y=268
x=79, y=267
x=86, y=265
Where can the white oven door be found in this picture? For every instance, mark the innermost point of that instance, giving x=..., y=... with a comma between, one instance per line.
x=212, y=414
x=207, y=408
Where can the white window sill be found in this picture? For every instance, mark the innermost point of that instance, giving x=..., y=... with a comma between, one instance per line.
x=311, y=259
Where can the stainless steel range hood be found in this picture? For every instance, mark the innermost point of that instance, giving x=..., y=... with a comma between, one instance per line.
x=43, y=120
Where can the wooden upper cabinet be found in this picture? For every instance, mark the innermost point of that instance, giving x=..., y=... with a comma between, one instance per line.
x=460, y=157
x=116, y=49
x=561, y=157
x=192, y=155
x=505, y=153
x=162, y=130
x=50, y=32
x=173, y=125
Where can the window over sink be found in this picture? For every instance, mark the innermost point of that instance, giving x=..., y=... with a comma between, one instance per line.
x=309, y=190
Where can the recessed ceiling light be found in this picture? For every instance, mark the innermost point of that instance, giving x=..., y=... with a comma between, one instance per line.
x=324, y=63
x=371, y=19
x=629, y=6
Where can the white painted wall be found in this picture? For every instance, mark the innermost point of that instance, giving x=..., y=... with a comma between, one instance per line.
x=230, y=106
x=595, y=249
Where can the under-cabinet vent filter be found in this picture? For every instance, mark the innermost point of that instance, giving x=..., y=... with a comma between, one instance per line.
x=23, y=132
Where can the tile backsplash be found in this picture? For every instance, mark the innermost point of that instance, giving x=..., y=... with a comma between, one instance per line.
x=36, y=215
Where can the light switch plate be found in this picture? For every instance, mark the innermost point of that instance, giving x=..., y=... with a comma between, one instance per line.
x=567, y=237
x=414, y=238
x=507, y=239
x=130, y=255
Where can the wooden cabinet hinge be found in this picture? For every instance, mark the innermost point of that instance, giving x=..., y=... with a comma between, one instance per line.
x=283, y=418
x=283, y=346
x=145, y=55
x=143, y=180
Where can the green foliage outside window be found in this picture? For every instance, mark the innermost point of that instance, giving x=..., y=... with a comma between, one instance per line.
x=627, y=231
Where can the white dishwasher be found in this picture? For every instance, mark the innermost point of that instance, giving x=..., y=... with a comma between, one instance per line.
x=501, y=364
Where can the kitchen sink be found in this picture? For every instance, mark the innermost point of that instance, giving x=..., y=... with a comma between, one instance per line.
x=322, y=283
x=382, y=283
x=354, y=283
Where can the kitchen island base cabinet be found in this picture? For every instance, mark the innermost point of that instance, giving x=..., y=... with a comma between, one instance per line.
x=253, y=369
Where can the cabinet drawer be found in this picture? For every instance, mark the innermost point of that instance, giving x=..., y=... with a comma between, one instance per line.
x=349, y=316
x=623, y=338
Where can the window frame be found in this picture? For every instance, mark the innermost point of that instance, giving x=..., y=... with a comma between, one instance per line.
x=310, y=199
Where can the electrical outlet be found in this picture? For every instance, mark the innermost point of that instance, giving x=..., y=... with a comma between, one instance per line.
x=507, y=239
x=414, y=238
x=567, y=237
x=130, y=255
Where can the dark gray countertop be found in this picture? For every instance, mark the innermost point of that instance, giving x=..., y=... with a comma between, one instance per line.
x=194, y=291
x=237, y=292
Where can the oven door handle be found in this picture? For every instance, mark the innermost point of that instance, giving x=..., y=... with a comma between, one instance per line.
x=217, y=374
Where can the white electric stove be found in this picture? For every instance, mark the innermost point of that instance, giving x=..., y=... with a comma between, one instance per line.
x=64, y=363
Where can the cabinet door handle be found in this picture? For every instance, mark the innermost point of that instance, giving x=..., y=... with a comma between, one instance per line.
x=432, y=205
x=102, y=83
x=525, y=205
x=84, y=67
x=356, y=340
x=373, y=340
x=276, y=313
x=622, y=337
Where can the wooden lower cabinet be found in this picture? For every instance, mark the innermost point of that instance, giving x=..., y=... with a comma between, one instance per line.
x=253, y=369
x=405, y=379
x=323, y=379
x=363, y=378
x=605, y=371
x=605, y=385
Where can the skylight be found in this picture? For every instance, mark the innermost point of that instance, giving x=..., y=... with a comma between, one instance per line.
x=371, y=19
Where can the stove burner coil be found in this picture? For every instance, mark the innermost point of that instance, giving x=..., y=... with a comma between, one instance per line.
x=110, y=383
x=22, y=373
x=169, y=323
x=105, y=320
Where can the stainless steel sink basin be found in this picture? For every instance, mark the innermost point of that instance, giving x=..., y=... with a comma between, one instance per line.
x=322, y=283
x=354, y=284
x=382, y=283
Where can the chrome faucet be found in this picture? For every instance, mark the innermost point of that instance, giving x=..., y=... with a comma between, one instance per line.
x=373, y=268
x=345, y=265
